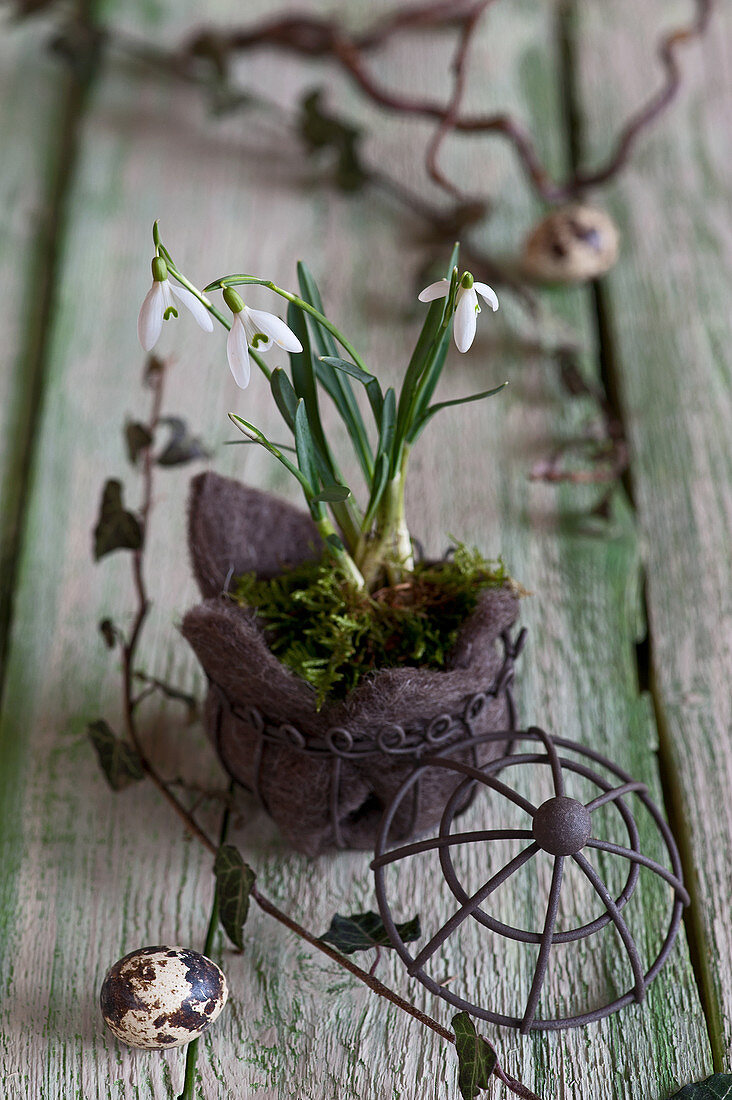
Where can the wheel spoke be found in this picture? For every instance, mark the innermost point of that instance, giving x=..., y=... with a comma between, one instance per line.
x=471, y=905
x=547, y=940
x=618, y=921
x=615, y=793
x=644, y=861
x=448, y=841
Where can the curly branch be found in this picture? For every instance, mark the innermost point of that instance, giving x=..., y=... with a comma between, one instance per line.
x=459, y=66
x=316, y=37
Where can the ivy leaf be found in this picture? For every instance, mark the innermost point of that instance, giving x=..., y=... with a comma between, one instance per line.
x=476, y=1057
x=137, y=438
x=182, y=447
x=234, y=882
x=717, y=1087
x=116, y=528
x=322, y=130
x=362, y=931
x=109, y=632
x=118, y=760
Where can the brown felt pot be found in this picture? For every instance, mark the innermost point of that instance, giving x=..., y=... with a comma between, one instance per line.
x=326, y=776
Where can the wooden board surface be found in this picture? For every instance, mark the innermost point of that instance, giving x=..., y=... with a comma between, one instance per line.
x=32, y=137
x=670, y=316
x=88, y=877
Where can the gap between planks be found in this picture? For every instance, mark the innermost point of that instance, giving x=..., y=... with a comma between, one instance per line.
x=74, y=85
x=611, y=365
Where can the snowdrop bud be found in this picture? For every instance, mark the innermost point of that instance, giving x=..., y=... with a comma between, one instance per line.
x=233, y=300
x=159, y=270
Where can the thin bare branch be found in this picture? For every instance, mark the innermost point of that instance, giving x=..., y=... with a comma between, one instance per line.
x=313, y=36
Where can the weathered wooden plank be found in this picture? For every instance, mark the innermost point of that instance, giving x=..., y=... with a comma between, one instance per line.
x=294, y=1027
x=31, y=117
x=669, y=310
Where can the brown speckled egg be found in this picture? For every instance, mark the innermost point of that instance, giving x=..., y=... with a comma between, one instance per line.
x=159, y=997
x=571, y=244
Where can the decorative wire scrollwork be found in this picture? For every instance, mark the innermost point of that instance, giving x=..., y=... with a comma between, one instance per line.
x=339, y=744
x=560, y=827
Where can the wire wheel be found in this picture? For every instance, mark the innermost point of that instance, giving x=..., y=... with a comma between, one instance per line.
x=561, y=827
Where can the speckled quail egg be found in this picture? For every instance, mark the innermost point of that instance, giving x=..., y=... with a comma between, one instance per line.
x=159, y=997
x=571, y=244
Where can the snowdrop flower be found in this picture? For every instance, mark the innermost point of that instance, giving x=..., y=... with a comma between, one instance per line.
x=255, y=328
x=466, y=308
x=159, y=306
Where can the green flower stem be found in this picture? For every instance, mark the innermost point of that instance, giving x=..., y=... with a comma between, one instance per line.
x=347, y=523
x=210, y=307
x=193, y=289
x=250, y=280
x=337, y=550
x=401, y=558
x=260, y=363
x=256, y=436
x=424, y=379
x=341, y=513
x=389, y=549
x=360, y=440
x=189, y=1078
x=327, y=531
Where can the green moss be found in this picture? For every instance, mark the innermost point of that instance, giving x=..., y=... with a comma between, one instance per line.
x=333, y=636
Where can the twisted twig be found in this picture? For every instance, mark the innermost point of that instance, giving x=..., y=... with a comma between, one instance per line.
x=312, y=36
x=156, y=377
x=459, y=65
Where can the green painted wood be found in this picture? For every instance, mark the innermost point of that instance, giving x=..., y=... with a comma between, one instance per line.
x=669, y=309
x=89, y=876
x=31, y=116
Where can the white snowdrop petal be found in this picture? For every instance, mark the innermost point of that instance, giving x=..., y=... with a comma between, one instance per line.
x=488, y=294
x=254, y=331
x=275, y=327
x=435, y=290
x=237, y=352
x=194, y=306
x=150, y=319
x=465, y=320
